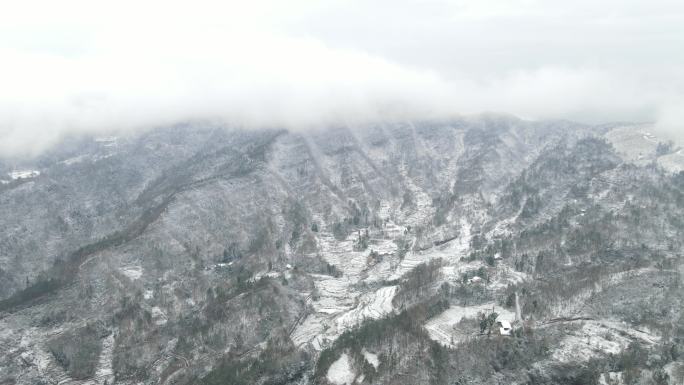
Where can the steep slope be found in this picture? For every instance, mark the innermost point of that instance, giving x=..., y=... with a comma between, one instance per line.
x=203, y=254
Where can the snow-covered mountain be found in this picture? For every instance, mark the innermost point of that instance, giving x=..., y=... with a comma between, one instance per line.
x=203, y=254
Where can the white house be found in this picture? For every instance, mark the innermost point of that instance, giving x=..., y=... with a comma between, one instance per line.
x=505, y=328
x=475, y=280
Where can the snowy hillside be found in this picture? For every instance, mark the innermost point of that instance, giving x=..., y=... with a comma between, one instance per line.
x=379, y=254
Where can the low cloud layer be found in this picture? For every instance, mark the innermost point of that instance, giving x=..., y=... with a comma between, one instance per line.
x=79, y=67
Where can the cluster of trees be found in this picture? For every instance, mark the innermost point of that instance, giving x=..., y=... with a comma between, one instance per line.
x=280, y=362
x=399, y=339
x=78, y=351
x=362, y=241
x=480, y=272
x=64, y=270
x=487, y=322
x=664, y=148
x=418, y=284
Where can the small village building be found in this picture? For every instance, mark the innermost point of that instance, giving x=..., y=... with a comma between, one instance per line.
x=505, y=328
x=475, y=280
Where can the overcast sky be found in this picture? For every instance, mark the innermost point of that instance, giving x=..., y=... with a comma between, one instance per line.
x=93, y=66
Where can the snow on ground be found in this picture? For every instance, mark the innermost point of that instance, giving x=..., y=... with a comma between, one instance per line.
x=148, y=294
x=338, y=310
x=453, y=273
x=310, y=331
x=577, y=304
x=341, y=372
x=341, y=254
x=594, y=338
x=632, y=143
x=673, y=163
x=74, y=160
x=589, y=341
x=441, y=328
x=340, y=303
x=158, y=316
x=637, y=145
x=384, y=211
x=422, y=201
x=450, y=252
x=372, y=358
x=104, y=371
x=611, y=378
x=650, y=137
x=23, y=174
x=621, y=276
x=262, y=274
x=504, y=275
x=32, y=345
x=676, y=372
x=334, y=294
x=101, y=157
x=132, y=272
x=107, y=141
x=371, y=306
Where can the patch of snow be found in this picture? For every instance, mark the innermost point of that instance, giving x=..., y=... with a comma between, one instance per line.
x=611, y=378
x=42, y=360
x=341, y=372
x=504, y=275
x=372, y=358
x=422, y=201
x=27, y=356
x=132, y=272
x=621, y=276
x=23, y=174
x=264, y=274
x=310, y=331
x=673, y=163
x=104, y=371
x=158, y=316
x=595, y=338
x=101, y=157
x=371, y=306
x=451, y=252
x=107, y=141
x=441, y=328
x=675, y=370
x=632, y=143
x=104, y=139
x=339, y=303
x=74, y=160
